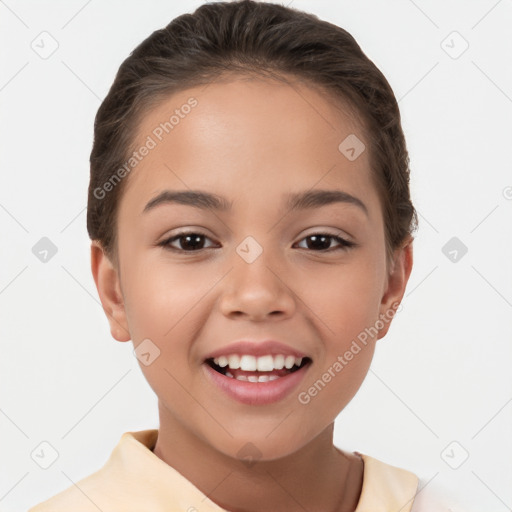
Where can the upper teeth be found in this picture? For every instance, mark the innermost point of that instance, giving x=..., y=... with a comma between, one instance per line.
x=249, y=363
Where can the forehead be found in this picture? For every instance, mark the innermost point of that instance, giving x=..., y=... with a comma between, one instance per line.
x=244, y=136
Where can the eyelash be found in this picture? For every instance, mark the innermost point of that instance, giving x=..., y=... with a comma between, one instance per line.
x=343, y=243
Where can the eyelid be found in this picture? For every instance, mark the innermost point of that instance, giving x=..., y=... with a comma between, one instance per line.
x=344, y=243
x=166, y=241
x=334, y=232
x=185, y=231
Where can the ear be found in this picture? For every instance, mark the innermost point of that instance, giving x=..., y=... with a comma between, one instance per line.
x=398, y=277
x=106, y=277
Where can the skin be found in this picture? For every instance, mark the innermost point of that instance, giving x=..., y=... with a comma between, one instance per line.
x=252, y=141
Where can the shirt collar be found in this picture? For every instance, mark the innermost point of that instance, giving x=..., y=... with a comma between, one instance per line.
x=385, y=487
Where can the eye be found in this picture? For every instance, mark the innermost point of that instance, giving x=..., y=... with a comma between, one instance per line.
x=188, y=241
x=322, y=242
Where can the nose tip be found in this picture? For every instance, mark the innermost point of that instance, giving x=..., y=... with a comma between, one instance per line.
x=255, y=290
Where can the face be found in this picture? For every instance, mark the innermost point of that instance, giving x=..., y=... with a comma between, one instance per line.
x=240, y=274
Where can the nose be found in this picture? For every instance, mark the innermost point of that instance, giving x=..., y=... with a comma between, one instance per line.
x=257, y=291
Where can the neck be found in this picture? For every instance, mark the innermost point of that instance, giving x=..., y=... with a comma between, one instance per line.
x=318, y=476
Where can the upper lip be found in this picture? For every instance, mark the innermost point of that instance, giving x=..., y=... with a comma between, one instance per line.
x=256, y=348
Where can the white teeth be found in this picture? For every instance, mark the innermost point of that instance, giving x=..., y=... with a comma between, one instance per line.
x=265, y=363
x=261, y=378
x=249, y=363
x=254, y=378
x=234, y=361
x=289, y=362
x=279, y=362
x=223, y=361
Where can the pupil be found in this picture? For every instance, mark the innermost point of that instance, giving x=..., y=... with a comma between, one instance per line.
x=322, y=244
x=191, y=240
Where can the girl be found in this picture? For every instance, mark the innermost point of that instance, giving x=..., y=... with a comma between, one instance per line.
x=251, y=229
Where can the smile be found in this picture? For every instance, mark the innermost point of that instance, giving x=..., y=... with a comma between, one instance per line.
x=257, y=380
x=250, y=368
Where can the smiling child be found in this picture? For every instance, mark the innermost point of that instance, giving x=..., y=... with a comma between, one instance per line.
x=251, y=228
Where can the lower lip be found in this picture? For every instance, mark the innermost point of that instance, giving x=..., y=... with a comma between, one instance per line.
x=257, y=393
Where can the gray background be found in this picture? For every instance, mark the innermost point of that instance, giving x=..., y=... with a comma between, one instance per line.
x=438, y=397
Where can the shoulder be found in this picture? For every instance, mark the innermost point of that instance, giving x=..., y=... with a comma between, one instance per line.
x=75, y=497
x=387, y=487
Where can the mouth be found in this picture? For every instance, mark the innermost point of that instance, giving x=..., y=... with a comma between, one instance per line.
x=257, y=369
x=256, y=372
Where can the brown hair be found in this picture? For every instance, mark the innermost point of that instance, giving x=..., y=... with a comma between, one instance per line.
x=244, y=37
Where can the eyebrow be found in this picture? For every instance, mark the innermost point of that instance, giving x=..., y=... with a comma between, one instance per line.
x=317, y=197
x=295, y=201
x=197, y=198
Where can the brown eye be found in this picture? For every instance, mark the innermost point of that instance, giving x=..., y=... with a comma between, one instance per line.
x=186, y=242
x=322, y=242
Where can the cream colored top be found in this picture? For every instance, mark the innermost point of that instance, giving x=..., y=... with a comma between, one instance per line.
x=134, y=479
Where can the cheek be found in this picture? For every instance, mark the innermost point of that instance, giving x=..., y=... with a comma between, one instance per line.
x=161, y=305
x=333, y=386
x=165, y=303
x=161, y=296
x=345, y=298
x=348, y=304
